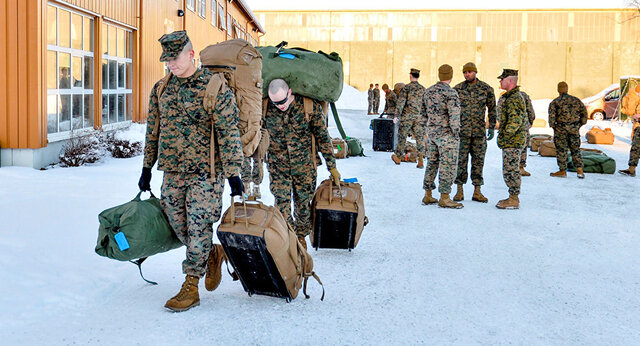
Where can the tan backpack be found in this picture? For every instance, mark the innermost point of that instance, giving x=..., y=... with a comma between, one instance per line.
x=537, y=139
x=264, y=251
x=547, y=148
x=340, y=148
x=241, y=65
x=599, y=136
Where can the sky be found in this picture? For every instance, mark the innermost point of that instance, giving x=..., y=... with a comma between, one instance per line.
x=258, y=5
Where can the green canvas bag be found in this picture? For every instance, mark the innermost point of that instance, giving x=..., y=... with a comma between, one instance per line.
x=144, y=227
x=594, y=161
x=355, y=146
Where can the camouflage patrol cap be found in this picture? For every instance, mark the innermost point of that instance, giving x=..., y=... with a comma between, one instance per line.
x=414, y=70
x=173, y=44
x=508, y=73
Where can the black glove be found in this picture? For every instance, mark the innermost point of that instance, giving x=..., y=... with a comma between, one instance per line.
x=237, y=187
x=145, y=179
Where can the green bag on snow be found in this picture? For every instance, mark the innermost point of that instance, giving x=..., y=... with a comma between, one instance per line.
x=355, y=146
x=594, y=162
x=315, y=75
x=143, y=225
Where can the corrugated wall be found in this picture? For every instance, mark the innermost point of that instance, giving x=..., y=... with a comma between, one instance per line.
x=589, y=49
x=124, y=11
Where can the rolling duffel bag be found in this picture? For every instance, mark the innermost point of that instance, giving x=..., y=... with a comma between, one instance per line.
x=264, y=251
x=340, y=148
x=599, y=136
x=547, y=148
x=338, y=215
x=537, y=139
x=385, y=134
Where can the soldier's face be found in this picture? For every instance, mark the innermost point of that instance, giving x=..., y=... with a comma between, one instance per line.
x=469, y=75
x=182, y=64
x=281, y=99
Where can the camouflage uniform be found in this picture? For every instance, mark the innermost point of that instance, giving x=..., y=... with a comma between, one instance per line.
x=370, y=100
x=512, y=136
x=376, y=100
x=475, y=98
x=531, y=116
x=442, y=108
x=408, y=110
x=631, y=106
x=191, y=194
x=566, y=115
x=390, y=104
x=252, y=171
x=634, y=152
x=291, y=163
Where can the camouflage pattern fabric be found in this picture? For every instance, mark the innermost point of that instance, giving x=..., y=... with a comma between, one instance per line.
x=511, y=169
x=370, y=100
x=476, y=99
x=634, y=153
x=410, y=125
x=567, y=114
x=252, y=171
x=193, y=204
x=376, y=100
x=291, y=166
x=567, y=141
x=477, y=148
x=442, y=154
x=513, y=120
x=410, y=100
x=390, y=103
x=173, y=44
x=531, y=116
x=185, y=128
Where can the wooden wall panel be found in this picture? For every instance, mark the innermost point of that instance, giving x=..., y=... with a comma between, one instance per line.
x=4, y=106
x=124, y=11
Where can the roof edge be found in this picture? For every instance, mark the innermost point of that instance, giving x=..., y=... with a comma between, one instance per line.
x=243, y=6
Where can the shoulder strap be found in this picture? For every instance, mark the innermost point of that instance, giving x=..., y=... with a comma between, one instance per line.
x=307, y=105
x=210, y=98
x=265, y=105
x=160, y=88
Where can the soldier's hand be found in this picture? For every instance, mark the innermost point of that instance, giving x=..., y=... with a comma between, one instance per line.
x=335, y=175
x=145, y=179
x=237, y=187
x=490, y=133
x=395, y=120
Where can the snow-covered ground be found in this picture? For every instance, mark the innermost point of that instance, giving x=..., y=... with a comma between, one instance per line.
x=563, y=269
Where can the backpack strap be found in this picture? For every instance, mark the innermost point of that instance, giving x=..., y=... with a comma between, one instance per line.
x=265, y=104
x=138, y=262
x=307, y=275
x=307, y=105
x=160, y=88
x=209, y=103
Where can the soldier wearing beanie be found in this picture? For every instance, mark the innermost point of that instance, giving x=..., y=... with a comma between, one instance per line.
x=566, y=115
x=442, y=108
x=408, y=113
x=631, y=107
x=476, y=99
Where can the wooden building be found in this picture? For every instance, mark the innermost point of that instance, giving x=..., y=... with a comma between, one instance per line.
x=72, y=66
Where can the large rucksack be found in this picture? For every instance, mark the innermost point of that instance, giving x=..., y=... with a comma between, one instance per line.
x=594, y=161
x=264, y=251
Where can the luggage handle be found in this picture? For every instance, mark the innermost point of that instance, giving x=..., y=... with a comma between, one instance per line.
x=331, y=192
x=137, y=198
x=233, y=210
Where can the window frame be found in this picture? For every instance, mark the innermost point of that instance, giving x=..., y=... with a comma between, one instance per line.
x=124, y=91
x=222, y=21
x=191, y=5
x=202, y=8
x=214, y=13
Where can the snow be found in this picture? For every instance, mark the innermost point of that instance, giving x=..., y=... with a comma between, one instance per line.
x=600, y=94
x=563, y=269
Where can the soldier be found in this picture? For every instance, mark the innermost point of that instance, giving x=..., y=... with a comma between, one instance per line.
x=390, y=100
x=631, y=106
x=370, y=99
x=408, y=111
x=376, y=99
x=476, y=98
x=531, y=116
x=179, y=137
x=511, y=136
x=292, y=165
x=442, y=108
x=566, y=115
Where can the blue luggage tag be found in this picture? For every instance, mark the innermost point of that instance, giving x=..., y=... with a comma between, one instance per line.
x=121, y=240
x=287, y=56
x=350, y=180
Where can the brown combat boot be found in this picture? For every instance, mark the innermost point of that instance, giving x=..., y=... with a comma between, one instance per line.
x=523, y=172
x=559, y=174
x=214, y=267
x=446, y=202
x=460, y=194
x=478, y=196
x=580, y=173
x=420, y=161
x=302, y=241
x=513, y=202
x=631, y=171
x=395, y=159
x=428, y=199
x=187, y=297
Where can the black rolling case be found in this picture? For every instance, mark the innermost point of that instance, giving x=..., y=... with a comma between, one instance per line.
x=385, y=134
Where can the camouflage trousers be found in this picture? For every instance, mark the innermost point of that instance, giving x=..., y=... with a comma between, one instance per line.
x=192, y=204
x=376, y=105
x=413, y=124
x=252, y=171
x=476, y=147
x=284, y=186
x=567, y=141
x=523, y=156
x=443, y=157
x=370, y=108
x=634, y=153
x=511, y=169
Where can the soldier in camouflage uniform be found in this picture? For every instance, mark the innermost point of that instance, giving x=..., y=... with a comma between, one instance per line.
x=370, y=99
x=442, y=108
x=631, y=106
x=292, y=165
x=566, y=115
x=390, y=100
x=511, y=136
x=476, y=99
x=531, y=116
x=408, y=111
x=376, y=99
x=178, y=137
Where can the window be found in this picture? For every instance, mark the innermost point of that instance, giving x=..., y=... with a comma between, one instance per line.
x=214, y=14
x=69, y=70
x=221, y=22
x=202, y=8
x=191, y=5
x=229, y=23
x=117, y=74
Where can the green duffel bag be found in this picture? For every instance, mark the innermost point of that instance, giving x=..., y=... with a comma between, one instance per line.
x=355, y=146
x=315, y=75
x=135, y=230
x=594, y=161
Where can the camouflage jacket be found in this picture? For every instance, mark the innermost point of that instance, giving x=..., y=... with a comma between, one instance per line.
x=442, y=108
x=290, y=135
x=513, y=120
x=567, y=112
x=183, y=143
x=531, y=114
x=376, y=94
x=410, y=99
x=370, y=95
x=390, y=103
x=476, y=99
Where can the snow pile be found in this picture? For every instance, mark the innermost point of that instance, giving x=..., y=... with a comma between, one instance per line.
x=134, y=133
x=351, y=98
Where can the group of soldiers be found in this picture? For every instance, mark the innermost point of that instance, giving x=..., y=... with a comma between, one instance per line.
x=180, y=131
x=454, y=122
x=373, y=98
